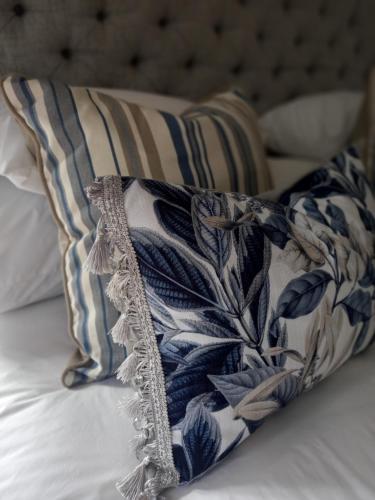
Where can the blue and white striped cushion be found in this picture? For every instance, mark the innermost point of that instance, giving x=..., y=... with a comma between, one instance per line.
x=82, y=134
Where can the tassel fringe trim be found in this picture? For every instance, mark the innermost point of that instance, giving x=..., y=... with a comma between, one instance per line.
x=134, y=329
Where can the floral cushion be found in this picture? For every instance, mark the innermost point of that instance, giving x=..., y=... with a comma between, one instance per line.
x=232, y=306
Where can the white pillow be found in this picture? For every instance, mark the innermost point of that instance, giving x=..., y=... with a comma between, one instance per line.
x=314, y=127
x=29, y=249
x=16, y=161
x=18, y=164
x=29, y=253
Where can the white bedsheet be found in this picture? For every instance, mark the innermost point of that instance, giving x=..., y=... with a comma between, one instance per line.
x=57, y=444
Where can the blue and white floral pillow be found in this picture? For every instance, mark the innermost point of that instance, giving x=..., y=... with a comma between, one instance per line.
x=231, y=306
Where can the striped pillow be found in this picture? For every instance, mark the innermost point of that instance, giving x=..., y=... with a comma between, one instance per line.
x=82, y=134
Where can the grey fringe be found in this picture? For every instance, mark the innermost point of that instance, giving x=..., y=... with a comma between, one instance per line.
x=134, y=329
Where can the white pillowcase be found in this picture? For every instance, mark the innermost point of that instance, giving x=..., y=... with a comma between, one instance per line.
x=16, y=161
x=18, y=164
x=29, y=252
x=314, y=127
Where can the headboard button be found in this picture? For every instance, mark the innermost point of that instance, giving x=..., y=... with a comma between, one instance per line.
x=163, y=22
x=322, y=10
x=189, y=63
x=298, y=40
x=255, y=97
x=218, y=28
x=260, y=36
x=311, y=70
x=332, y=42
x=277, y=70
x=135, y=61
x=237, y=69
x=101, y=15
x=342, y=72
x=66, y=53
x=19, y=10
x=286, y=5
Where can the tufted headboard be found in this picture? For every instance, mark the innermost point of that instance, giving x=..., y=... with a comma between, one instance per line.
x=272, y=49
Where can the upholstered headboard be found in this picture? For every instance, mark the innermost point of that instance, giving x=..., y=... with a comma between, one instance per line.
x=273, y=49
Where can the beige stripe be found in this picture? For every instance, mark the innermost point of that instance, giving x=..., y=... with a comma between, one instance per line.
x=125, y=134
x=144, y=130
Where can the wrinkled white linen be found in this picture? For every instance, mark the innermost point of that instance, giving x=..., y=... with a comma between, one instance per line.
x=60, y=444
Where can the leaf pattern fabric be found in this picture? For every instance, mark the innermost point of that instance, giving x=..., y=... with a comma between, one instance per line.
x=252, y=302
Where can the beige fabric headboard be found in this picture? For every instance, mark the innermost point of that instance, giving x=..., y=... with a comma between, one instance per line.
x=272, y=49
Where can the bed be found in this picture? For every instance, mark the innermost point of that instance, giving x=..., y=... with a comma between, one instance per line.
x=64, y=444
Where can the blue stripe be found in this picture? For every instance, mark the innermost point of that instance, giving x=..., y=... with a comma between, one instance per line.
x=30, y=111
x=98, y=279
x=178, y=141
x=203, y=144
x=228, y=154
x=196, y=157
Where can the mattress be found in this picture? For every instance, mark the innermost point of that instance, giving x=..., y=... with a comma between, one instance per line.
x=60, y=444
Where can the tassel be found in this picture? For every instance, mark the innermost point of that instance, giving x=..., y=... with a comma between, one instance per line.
x=132, y=406
x=120, y=332
x=95, y=191
x=139, y=441
x=128, y=369
x=132, y=486
x=118, y=284
x=99, y=258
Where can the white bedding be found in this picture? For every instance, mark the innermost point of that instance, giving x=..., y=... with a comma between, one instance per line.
x=57, y=444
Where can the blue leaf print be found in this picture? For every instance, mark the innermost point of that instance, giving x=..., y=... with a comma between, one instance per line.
x=126, y=182
x=251, y=250
x=312, y=210
x=211, y=329
x=358, y=306
x=201, y=438
x=316, y=178
x=177, y=195
x=340, y=161
x=181, y=464
x=178, y=279
x=213, y=401
x=276, y=228
x=302, y=295
x=361, y=337
x=368, y=279
x=173, y=353
x=338, y=219
x=236, y=385
x=231, y=446
x=220, y=319
x=359, y=180
x=277, y=337
x=259, y=310
x=213, y=242
x=177, y=222
x=367, y=218
x=190, y=381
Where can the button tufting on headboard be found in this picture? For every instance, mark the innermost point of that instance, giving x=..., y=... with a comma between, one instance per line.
x=135, y=61
x=268, y=48
x=218, y=28
x=101, y=15
x=190, y=63
x=163, y=22
x=237, y=68
x=66, y=53
x=19, y=10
